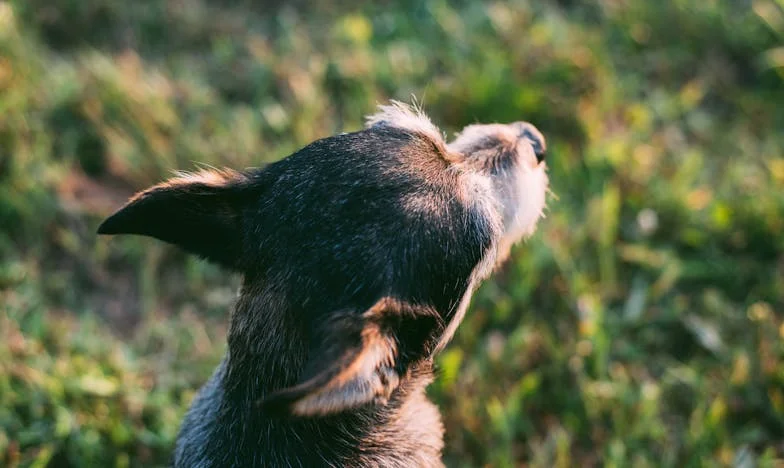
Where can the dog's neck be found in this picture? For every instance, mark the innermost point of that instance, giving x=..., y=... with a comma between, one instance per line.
x=266, y=344
x=267, y=349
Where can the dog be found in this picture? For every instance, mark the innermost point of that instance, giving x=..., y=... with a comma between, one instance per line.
x=359, y=254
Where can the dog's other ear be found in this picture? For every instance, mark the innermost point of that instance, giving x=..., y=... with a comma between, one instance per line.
x=199, y=212
x=359, y=359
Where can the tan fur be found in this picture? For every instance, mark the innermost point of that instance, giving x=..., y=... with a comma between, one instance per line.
x=411, y=118
x=211, y=177
x=377, y=351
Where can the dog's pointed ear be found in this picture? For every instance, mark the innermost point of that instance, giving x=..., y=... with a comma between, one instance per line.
x=199, y=212
x=359, y=359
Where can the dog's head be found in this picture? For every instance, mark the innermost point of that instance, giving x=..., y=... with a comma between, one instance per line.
x=373, y=240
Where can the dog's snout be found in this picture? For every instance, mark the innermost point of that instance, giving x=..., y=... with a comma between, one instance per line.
x=535, y=137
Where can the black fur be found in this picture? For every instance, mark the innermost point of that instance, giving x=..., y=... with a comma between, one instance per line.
x=348, y=286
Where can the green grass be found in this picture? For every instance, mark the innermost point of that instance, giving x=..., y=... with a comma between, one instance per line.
x=643, y=325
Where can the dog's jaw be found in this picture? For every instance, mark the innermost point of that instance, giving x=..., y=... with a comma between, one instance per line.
x=523, y=200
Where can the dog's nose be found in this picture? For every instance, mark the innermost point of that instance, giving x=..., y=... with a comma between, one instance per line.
x=533, y=135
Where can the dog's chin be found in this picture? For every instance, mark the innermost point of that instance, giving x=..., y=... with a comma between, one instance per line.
x=523, y=197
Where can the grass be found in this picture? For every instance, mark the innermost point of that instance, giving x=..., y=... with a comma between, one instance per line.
x=643, y=325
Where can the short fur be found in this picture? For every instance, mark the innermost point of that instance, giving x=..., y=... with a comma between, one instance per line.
x=359, y=255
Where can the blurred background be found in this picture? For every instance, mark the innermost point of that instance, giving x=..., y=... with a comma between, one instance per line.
x=643, y=325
